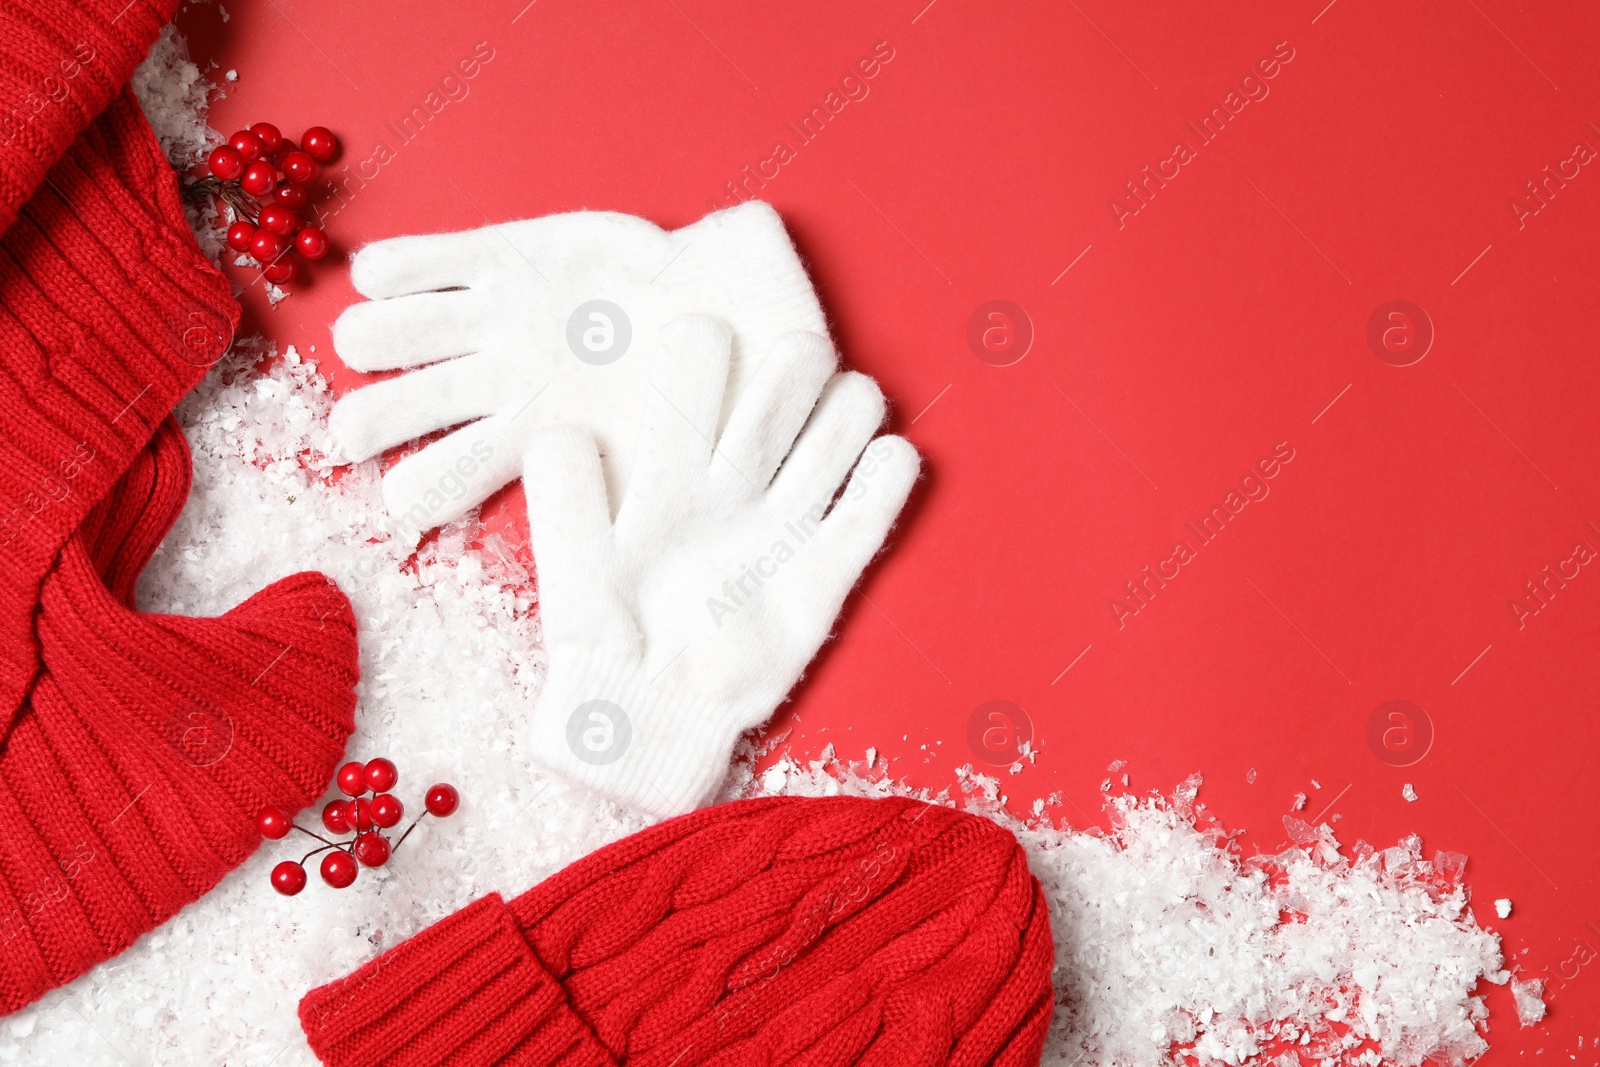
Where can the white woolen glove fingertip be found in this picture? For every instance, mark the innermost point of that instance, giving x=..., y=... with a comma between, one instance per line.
x=416, y=264
x=866, y=511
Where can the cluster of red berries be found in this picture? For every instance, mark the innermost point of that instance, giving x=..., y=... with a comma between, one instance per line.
x=265, y=181
x=365, y=818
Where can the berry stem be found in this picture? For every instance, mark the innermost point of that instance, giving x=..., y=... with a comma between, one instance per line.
x=322, y=848
x=407, y=834
x=309, y=833
x=242, y=204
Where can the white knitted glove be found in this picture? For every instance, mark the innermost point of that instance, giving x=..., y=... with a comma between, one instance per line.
x=688, y=619
x=547, y=320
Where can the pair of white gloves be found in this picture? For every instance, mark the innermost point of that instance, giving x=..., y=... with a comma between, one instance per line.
x=673, y=405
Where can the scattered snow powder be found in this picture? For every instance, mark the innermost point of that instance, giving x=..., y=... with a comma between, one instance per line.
x=176, y=99
x=1408, y=792
x=1529, y=997
x=1502, y=907
x=1169, y=943
x=173, y=95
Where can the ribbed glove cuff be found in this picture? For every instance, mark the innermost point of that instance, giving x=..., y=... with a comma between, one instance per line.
x=468, y=989
x=746, y=272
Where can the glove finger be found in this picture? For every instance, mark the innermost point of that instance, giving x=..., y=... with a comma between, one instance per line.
x=849, y=413
x=453, y=475
x=417, y=264
x=682, y=405
x=569, y=525
x=772, y=409
x=856, y=527
x=379, y=335
x=388, y=413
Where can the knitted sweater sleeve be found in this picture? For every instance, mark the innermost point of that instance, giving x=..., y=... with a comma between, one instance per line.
x=468, y=989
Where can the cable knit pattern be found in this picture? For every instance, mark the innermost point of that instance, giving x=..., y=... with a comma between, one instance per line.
x=60, y=65
x=775, y=932
x=109, y=313
x=130, y=783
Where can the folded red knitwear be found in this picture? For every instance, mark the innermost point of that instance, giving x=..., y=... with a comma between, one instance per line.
x=135, y=750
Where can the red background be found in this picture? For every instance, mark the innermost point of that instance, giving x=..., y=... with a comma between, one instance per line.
x=1181, y=347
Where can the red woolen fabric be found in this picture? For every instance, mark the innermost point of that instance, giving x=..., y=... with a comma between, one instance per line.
x=130, y=782
x=135, y=750
x=61, y=63
x=109, y=313
x=776, y=931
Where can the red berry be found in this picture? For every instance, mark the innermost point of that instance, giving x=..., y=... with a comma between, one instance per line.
x=279, y=219
x=225, y=162
x=258, y=178
x=381, y=774
x=267, y=246
x=272, y=822
x=288, y=878
x=271, y=140
x=280, y=272
x=387, y=810
x=334, y=818
x=299, y=168
x=442, y=799
x=247, y=145
x=338, y=869
x=240, y=234
x=372, y=850
x=313, y=244
x=291, y=196
x=353, y=779
x=319, y=143
x=359, y=814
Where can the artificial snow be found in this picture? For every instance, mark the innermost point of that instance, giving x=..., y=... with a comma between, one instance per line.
x=1407, y=792
x=173, y=94
x=1529, y=998
x=1171, y=943
x=1502, y=907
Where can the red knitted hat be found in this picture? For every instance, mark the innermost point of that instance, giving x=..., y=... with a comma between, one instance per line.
x=109, y=313
x=779, y=931
x=131, y=779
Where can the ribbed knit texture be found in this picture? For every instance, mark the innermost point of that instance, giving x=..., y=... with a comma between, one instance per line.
x=131, y=780
x=780, y=931
x=60, y=65
x=109, y=313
